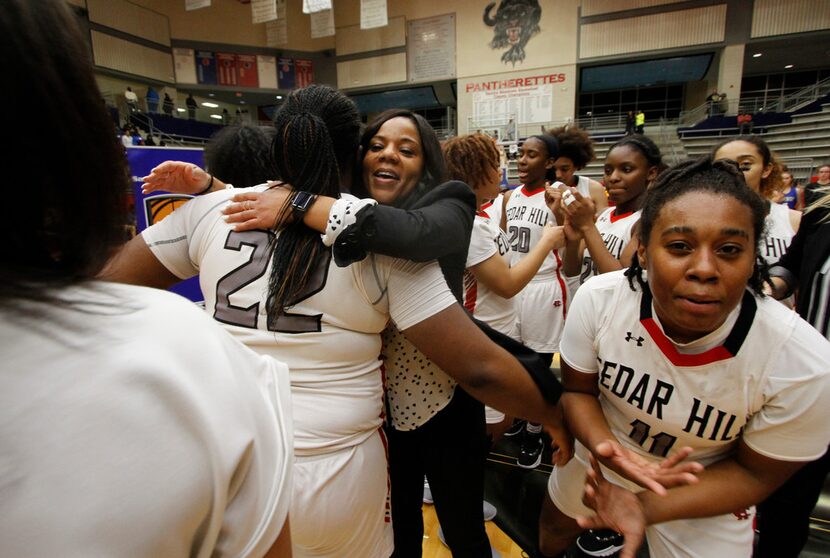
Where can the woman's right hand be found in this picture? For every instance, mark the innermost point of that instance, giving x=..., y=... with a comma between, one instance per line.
x=259, y=210
x=580, y=212
x=553, y=236
x=176, y=177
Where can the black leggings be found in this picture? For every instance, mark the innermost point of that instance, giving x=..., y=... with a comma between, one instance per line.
x=450, y=449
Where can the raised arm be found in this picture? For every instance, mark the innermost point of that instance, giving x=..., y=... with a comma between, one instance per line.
x=439, y=226
x=507, y=281
x=181, y=178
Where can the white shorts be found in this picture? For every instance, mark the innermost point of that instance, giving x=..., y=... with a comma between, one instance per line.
x=340, y=503
x=727, y=535
x=541, y=314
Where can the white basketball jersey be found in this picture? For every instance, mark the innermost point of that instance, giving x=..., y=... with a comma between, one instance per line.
x=488, y=240
x=494, y=209
x=527, y=215
x=778, y=235
x=329, y=340
x=616, y=233
x=583, y=186
x=763, y=376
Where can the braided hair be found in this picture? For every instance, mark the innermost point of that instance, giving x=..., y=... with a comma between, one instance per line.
x=471, y=158
x=317, y=136
x=701, y=175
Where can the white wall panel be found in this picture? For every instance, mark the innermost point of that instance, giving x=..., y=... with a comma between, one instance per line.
x=352, y=39
x=597, y=7
x=680, y=28
x=131, y=19
x=125, y=56
x=378, y=70
x=778, y=17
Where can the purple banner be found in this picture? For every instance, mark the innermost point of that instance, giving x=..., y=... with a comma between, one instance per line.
x=154, y=207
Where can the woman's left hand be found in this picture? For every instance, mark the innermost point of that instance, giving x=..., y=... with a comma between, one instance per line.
x=259, y=210
x=616, y=508
x=656, y=477
x=562, y=444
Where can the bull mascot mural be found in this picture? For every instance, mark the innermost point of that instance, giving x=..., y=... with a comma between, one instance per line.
x=515, y=22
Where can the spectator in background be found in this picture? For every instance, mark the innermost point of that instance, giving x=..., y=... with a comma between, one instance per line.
x=191, y=107
x=167, y=107
x=640, y=121
x=714, y=100
x=127, y=137
x=226, y=117
x=152, y=99
x=629, y=123
x=791, y=193
x=745, y=124
x=132, y=99
x=814, y=190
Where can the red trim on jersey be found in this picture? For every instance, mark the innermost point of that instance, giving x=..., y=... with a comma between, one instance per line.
x=471, y=296
x=729, y=348
x=562, y=286
x=614, y=218
x=528, y=192
x=485, y=205
x=714, y=354
x=481, y=213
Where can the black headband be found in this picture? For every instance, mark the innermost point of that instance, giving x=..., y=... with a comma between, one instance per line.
x=550, y=142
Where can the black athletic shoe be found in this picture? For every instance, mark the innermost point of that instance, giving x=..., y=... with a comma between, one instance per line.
x=517, y=427
x=530, y=454
x=603, y=542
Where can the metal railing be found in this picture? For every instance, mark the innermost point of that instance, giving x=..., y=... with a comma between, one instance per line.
x=805, y=96
x=755, y=105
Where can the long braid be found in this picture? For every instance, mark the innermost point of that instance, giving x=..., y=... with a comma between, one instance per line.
x=316, y=129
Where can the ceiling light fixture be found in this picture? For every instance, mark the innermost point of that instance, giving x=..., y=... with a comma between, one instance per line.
x=210, y=105
x=757, y=55
x=216, y=116
x=180, y=109
x=788, y=66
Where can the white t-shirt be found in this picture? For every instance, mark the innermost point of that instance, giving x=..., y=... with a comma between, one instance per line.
x=329, y=339
x=763, y=376
x=130, y=425
x=486, y=241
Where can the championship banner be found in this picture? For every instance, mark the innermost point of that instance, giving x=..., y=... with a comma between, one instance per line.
x=246, y=70
x=154, y=207
x=305, y=72
x=285, y=73
x=226, y=68
x=205, y=67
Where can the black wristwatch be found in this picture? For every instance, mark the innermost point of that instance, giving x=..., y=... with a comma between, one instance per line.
x=301, y=203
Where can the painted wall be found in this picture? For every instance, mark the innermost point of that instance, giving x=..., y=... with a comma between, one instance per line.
x=554, y=45
x=229, y=22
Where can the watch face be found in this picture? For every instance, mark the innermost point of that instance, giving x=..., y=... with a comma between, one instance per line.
x=302, y=201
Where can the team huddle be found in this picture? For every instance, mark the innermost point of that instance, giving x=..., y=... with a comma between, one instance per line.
x=377, y=310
